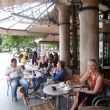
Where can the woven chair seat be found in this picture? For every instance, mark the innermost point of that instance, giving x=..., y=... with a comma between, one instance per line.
x=42, y=106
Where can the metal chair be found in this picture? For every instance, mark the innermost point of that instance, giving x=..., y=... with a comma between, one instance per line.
x=104, y=99
x=101, y=101
x=8, y=86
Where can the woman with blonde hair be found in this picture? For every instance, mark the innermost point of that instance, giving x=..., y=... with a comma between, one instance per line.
x=96, y=85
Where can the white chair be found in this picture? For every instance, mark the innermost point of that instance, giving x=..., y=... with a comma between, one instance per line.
x=8, y=86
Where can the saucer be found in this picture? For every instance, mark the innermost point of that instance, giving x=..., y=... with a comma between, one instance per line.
x=61, y=85
x=66, y=89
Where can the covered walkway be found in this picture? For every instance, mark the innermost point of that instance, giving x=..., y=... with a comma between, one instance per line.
x=81, y=29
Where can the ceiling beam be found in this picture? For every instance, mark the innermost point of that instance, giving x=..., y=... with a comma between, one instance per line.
x=33, y=31
x=49, y=29
x=8, y=3
x=18, y=32
x=23, y=16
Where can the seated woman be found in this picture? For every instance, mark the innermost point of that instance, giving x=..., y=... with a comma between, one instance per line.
x=42, y=62
x=58, y=75
x=14, y=75
x=96, y=82
x=50, y=63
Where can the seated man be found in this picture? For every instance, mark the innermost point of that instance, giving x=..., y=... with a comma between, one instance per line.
x=14, y=75
x=58, y=75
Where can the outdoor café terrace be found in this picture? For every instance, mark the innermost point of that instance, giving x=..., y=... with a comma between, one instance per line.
x=81, y=27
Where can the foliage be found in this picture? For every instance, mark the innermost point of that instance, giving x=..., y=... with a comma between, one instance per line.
x=14, y=43
x=17, y=41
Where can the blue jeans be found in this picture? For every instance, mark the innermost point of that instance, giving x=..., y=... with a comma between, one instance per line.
x=19, y=82
x=38, y=81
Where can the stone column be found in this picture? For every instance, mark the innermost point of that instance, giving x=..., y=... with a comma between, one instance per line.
x=89, y=33
x=64, y=33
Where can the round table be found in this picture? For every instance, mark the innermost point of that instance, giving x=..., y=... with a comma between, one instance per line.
x=95, y=108
x=31, y=68
x=29, y=77
x=58, y=92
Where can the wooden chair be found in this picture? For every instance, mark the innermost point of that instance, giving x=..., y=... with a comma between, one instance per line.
x=45, y=105
x=75, y=79
x=42, y=106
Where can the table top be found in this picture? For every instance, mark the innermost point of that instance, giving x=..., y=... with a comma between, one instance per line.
x=31, y=68
x=35, y=69
x=59, y=91
x=31, y=75
x=95, y=108
x=28, y=76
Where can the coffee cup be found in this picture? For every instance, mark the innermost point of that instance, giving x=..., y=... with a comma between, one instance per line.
x=61, y=84
x=66, y=88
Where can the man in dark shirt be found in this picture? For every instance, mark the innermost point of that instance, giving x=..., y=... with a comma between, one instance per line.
x=34, y=57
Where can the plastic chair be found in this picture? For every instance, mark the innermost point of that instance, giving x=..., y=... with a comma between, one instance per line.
x=8, y=86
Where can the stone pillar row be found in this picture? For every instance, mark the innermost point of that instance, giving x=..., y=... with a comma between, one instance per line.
x=89, y=33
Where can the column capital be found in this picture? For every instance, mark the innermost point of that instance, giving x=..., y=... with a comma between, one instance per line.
x=62, y=7
x=64, y=14
x=63, y=2
x=87, y=3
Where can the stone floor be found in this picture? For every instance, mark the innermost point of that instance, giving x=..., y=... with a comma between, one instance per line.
x=6, y=101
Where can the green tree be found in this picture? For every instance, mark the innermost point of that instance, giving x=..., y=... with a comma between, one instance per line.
x=17, y=40
x=9, y=41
